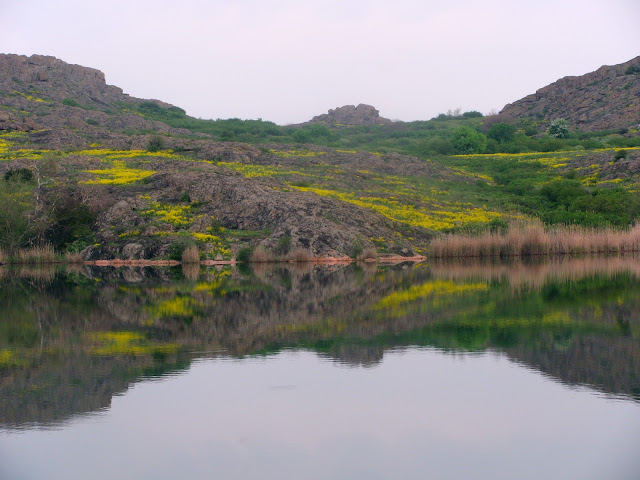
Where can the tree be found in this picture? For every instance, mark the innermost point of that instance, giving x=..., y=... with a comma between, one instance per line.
x=559, y=128
x=501, y=132
x=468, y=140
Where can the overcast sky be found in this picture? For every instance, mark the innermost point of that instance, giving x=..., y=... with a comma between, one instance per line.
x=286, y=60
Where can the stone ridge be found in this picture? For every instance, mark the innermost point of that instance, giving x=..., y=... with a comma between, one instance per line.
x=351, y=115
x=608, y=98
x=56, y=80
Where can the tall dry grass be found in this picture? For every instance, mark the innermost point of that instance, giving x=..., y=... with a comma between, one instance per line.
x=262, y=255
x=191, y=254
x=299, y=255
x=368, y=254
x=534, y=239
x=73, y=258
x=37, y=255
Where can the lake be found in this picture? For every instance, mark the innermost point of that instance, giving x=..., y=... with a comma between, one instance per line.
x=435, y=370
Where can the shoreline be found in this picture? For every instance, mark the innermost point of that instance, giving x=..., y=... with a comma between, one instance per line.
x=387, y=260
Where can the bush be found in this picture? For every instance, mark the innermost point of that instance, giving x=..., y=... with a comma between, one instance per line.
x=70, y=102
x=284, y=245
x=18, y=175
x=472, y=114
x=620, y=154
x=467, y=140
x=244, y=255
x=632, y=70
x=501, y=132
x=559, y=128
x=155, y=144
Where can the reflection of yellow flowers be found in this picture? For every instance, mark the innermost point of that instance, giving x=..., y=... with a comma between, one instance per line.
x=126, y=343
x=118, y=174
x=173, y=307
x=438, y=288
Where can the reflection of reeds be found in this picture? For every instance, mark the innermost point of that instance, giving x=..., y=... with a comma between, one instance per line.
x=76, y=268
x=536, y=240
x=40, y=273
x=191, y=271
x=191, y=254
x=521, y=275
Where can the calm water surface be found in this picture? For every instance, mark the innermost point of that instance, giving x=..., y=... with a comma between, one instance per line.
x=429, y=371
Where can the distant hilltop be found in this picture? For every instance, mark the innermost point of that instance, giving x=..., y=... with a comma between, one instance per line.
x=608, y=98
x=350, y=115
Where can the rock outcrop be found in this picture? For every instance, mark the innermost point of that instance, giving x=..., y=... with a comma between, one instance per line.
x=43, y=92
x=608, y=98
x=350, y=115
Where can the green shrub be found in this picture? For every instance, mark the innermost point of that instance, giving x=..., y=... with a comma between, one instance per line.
x=18, y=175
x=632, y=70
x=502, y=132
x=284, y=245
x=620, y=154
x=155, y=144
x=70, y=102
x=559, y=128
x=244, y=255
x=356, y=248
x=467, y=140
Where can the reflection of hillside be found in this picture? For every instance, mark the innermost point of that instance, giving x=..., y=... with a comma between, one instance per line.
x=68, y=343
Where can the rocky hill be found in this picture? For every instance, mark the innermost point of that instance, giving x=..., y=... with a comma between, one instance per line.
x=43, y=92
x=143, y=199
x=608, y=98
x=350, y=115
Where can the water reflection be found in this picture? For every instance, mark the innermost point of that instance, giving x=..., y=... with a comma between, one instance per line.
x=72, y=339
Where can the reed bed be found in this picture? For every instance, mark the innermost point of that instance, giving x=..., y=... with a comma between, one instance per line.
x=191, y=254
x=73, y=258
x=368, y=254
x=299, y=255
x=37, y=255
x=262, y=255
x=530, y=240
x=3, y=257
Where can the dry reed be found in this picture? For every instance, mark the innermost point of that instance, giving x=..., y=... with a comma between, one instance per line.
x=73, y=257
x=37, y=255
x=3, y=257
x=526, y=240
x=191, y=254
x=299, y=255
x=368, y=254
x=262, y=255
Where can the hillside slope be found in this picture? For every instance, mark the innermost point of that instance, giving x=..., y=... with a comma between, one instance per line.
x=608, y=98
